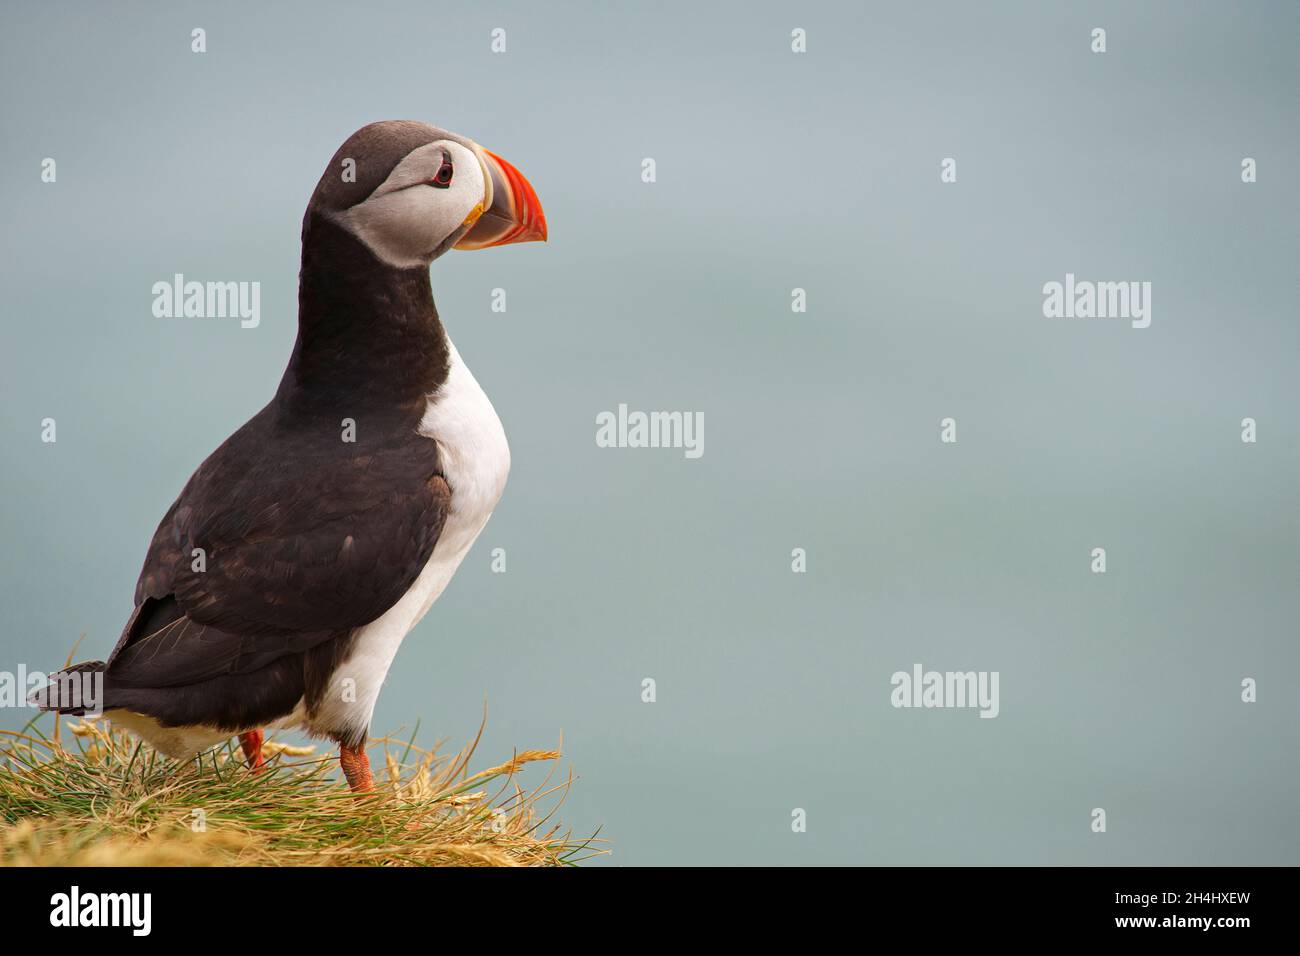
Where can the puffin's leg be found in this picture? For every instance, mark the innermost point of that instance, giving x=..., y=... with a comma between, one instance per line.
x=356, y=767
x=251, y=743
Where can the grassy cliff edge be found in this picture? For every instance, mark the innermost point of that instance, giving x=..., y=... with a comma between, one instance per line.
x=106, y=800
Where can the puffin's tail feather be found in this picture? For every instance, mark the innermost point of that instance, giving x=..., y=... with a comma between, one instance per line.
x=75, y=690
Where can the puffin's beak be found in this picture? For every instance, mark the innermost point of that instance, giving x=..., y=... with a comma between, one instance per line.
x=513, y=212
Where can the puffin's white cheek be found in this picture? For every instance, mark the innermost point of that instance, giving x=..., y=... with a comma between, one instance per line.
x=402, y=228
x=468, y=191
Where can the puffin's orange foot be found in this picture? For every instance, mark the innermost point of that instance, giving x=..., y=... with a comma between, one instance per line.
x=356, y=767
x=251, y=743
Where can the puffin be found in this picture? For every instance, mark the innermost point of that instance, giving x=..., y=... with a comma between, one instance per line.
x=280, y=584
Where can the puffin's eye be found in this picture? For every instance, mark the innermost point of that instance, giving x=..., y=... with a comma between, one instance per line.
x=442, y=179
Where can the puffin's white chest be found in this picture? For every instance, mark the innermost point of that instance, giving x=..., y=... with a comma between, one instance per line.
x=475, y=460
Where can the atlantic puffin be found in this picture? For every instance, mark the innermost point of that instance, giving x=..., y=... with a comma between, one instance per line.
x=280, y=583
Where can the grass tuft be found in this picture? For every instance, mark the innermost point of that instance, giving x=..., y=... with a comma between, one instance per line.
x=107, y=800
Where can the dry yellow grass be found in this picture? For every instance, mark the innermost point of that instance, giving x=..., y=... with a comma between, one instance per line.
x=106, y=800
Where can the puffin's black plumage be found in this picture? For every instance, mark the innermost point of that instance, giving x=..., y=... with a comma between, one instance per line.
x=304, y=536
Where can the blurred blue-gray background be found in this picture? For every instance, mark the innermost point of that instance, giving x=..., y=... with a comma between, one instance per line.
x=775, y=170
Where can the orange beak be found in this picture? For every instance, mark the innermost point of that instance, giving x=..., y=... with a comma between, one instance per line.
x=513, y=213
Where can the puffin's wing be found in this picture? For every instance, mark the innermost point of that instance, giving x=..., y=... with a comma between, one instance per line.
x=164, y=647
x=259, y=558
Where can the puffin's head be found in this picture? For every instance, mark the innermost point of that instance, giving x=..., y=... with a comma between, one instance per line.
x=411, y=191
